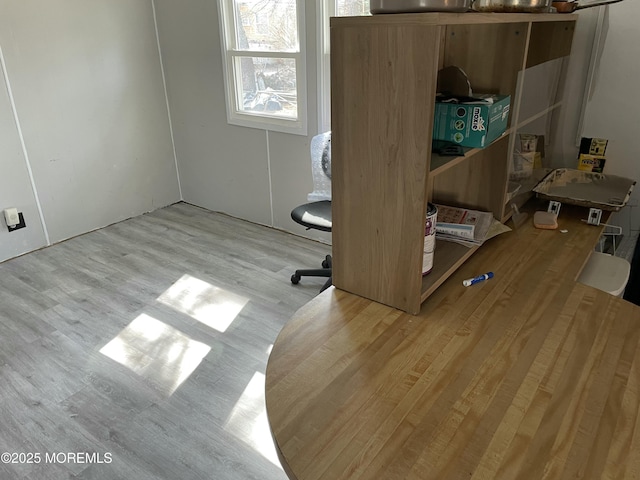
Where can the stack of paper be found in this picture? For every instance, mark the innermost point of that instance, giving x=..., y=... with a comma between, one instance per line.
x=468, y=227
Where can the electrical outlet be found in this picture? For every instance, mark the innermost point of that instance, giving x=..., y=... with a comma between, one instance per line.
x=21, y=223
x=11, y=216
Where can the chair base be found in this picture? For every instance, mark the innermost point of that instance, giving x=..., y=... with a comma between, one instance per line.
x=325, y=271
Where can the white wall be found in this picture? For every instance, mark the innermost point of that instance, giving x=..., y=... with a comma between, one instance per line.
x=565, y=151
x=257, y=175
x=88, y=90
x=15, y=185
x=89, y=96
x=613, y=109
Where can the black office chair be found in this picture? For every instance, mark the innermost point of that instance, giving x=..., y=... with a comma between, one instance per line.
x=317, y=214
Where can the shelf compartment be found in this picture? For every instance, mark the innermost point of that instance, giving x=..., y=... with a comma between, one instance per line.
x=550, y=40
x=383, y=170
x=480, y=183
x=466, y=46
x=525, y=192
x=539, y=115
x=541, y=88
x=440, y=164
x=448, y=257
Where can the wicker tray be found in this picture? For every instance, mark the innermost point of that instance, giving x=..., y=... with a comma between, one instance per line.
x=587, y=189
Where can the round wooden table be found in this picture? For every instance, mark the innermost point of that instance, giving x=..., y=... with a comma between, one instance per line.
x=527, y=375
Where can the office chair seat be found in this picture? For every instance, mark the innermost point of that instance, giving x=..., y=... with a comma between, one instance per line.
x=317, y=216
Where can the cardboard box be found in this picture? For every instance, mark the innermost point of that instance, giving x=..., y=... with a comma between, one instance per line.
x=593, y=146
x=471, y=124
x=529, y=143
x=591, y=163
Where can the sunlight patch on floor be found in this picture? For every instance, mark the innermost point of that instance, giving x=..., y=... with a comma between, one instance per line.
x=156, y=351
x=206, y=303
x=248, y=420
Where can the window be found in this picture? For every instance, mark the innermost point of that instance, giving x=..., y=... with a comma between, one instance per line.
x=330, y=8
x=265, y=80
x=349, y=8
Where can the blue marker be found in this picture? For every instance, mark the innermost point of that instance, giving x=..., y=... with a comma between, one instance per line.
x=479, y=278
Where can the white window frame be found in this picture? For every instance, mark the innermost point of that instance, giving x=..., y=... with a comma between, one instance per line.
x=325, y=10
x=233, y=88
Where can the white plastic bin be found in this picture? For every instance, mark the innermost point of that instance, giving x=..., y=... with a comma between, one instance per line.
x=606, y=272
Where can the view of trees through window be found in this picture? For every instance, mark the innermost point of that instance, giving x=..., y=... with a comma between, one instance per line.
x=264, y=62
x=348, y=8
x=269, y=82
x=268, y=25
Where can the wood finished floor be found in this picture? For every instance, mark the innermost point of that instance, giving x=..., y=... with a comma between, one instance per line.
x=116, y=344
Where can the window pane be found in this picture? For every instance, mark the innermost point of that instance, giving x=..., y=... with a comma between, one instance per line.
x=347, y=8
x=268, y=86
x=266, y=25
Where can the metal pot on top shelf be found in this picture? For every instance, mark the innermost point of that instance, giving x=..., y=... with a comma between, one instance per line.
x=512, y=6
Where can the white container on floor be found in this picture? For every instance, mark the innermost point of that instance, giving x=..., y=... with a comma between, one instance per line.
x=606, y=272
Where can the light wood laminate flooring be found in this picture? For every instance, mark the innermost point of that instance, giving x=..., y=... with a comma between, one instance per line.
x=138, y=351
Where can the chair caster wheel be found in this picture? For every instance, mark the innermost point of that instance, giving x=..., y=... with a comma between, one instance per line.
x=326, y=263
x=295, y=279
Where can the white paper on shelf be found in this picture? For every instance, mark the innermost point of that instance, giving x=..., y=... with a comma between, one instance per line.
x=463, y=224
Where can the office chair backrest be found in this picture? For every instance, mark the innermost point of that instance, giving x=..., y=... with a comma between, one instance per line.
x=321, y=167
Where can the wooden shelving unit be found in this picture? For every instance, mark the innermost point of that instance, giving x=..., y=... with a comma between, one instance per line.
x=384, y=73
